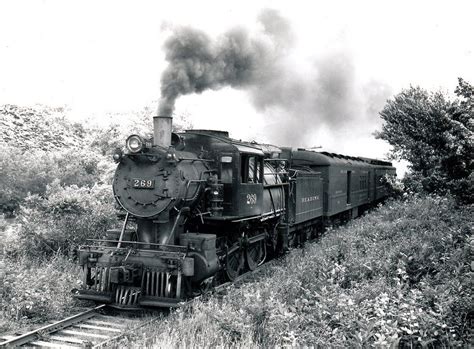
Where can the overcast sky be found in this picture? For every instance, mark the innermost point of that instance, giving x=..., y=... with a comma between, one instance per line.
x=107, y=56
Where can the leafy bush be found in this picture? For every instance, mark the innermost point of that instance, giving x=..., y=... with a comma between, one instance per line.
x=35, y=291
x=62, y=220
x=29, y=173
x=400, y=276
x=436, y=136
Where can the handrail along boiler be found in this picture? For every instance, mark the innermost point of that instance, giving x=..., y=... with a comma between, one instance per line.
x=201, y=208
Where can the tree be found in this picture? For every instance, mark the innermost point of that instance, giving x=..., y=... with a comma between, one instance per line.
x=436, y=136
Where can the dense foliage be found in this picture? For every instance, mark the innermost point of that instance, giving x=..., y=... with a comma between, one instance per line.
x=400, y=276
x=29, y=172
x=40, y=145
x=61, y=220
x=436, y=136
x=37, y=290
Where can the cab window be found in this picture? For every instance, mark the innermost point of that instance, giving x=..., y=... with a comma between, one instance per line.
x=226, y=173
x=251, y=168
x=226, y=169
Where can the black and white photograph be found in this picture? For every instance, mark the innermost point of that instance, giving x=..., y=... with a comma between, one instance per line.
x=236, y=174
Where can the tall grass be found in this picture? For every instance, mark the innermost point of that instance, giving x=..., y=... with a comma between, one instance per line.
x=398, y=276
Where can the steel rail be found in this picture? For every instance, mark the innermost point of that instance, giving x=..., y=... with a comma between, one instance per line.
x=54, y=327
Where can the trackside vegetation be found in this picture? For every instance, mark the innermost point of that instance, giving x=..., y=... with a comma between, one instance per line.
x=36, y=290
x=400, y=276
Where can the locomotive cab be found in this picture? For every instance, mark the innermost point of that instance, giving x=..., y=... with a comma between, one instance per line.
x=246, y=193
x=252, y=184
x=244, y=171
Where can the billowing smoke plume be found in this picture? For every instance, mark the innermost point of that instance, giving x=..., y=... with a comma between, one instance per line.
x=324, y=93
x=198, y=63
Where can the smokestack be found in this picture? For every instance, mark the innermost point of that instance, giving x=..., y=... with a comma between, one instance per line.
x=162, y=130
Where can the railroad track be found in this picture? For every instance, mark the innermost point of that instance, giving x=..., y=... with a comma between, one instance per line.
x=90, y=329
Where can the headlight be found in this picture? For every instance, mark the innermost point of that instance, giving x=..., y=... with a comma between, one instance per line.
x=134, y=144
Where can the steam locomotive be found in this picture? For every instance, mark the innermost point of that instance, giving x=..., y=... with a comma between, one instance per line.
x=201, y=208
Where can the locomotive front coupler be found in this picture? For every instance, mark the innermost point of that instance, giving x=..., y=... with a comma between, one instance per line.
x=124, y=274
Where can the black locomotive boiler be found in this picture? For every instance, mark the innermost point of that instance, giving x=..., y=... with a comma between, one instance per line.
x=201, y=208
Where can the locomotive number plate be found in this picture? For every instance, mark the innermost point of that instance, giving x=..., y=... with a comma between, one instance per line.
x=139, y=183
